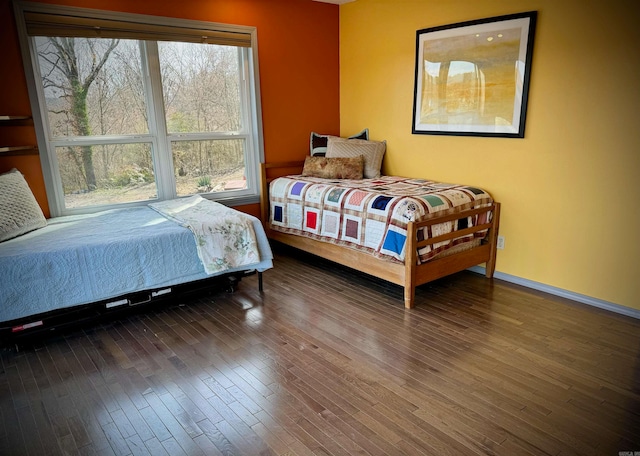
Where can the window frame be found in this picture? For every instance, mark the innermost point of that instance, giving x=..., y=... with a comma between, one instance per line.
x=161, y=140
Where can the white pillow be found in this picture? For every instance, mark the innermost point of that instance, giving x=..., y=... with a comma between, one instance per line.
x=19, y=210
x=373, y=152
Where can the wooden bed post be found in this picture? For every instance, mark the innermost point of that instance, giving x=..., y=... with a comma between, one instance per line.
x=410, y=260
x=493, y=242
x=264, y=195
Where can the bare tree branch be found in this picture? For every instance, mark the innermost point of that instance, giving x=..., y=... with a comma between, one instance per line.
x=96, y=68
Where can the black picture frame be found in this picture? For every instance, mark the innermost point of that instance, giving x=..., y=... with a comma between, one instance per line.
x=472, y=78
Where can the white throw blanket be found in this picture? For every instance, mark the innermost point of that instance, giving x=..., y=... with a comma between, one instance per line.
x=224, y=237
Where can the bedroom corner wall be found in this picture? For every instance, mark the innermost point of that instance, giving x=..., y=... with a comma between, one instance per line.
x=569, y=189
x=298, y=52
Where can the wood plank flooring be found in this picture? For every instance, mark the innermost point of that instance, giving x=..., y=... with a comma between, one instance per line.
x=328, y=362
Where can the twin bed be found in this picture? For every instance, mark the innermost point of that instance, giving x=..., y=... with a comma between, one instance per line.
x=405, y=231
x=83, y=265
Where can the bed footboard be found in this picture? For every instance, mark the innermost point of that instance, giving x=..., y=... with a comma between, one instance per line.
x=418, y=274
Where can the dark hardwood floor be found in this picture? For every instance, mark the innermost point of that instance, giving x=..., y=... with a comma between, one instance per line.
x=327, y=361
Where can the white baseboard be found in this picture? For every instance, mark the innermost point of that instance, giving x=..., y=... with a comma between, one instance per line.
x=634, y=313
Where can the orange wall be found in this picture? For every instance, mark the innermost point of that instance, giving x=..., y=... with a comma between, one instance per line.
x=298, y=53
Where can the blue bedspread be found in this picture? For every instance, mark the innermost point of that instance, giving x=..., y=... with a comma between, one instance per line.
x=82, y=259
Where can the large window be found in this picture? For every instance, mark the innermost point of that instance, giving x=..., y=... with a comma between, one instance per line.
x=135, y=108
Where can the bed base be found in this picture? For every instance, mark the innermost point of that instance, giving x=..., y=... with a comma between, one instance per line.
x=410, y=274
x=54, y=322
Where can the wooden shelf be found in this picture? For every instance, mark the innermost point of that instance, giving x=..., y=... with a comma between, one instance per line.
x=18, y=150
x=9, y=118
x=15, y=121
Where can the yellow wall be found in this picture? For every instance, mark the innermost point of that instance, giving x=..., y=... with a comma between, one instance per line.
x=570, y=189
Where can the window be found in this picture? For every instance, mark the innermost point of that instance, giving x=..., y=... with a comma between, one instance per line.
x=136, y=108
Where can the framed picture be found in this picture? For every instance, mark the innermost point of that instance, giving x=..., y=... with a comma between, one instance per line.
x=472, y=78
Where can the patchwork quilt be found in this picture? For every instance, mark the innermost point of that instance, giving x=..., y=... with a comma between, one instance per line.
x=371, y=215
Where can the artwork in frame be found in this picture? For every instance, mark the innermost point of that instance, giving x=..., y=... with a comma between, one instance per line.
x=472, y=78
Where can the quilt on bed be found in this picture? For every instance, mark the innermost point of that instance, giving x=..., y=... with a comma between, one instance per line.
x=224, y=237
x=371, y=215
x=82, y=259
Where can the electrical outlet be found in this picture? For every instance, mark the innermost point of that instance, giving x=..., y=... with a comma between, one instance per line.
x=500, y=243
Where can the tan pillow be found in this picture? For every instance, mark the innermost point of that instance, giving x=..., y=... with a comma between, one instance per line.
x=19, y=210
x=373, y=152
x=334, y=168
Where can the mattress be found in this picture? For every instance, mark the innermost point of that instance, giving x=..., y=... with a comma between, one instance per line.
x=81, y=259
x=372, y=215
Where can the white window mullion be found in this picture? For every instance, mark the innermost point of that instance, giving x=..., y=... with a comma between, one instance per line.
x=99, y=140
x=163, y=160
x=251, y=162
x=52, y=180
x=205, y=136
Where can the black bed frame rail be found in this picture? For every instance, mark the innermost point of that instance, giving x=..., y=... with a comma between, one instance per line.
x=37, y=327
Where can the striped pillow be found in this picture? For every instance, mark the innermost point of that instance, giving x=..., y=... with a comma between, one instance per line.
x=318, y=143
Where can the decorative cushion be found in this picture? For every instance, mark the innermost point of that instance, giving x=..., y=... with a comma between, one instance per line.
x=318, y=143
x=334, y=168
x=19, y=210
x=373, y=152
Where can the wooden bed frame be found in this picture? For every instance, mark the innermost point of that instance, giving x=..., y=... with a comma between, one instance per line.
x=409, y=275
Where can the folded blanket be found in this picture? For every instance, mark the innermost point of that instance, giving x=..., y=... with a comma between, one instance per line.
x=224, y=236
